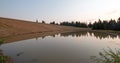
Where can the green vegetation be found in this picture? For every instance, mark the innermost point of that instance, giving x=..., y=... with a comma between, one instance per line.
x=106, y=25
x=1, y=41
x=43, y=22
x=107, y=56
x=97, y=25
x=52, y=22
x=3, y=59
x=74, y=24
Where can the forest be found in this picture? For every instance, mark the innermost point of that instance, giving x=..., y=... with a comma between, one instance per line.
x=97, y=25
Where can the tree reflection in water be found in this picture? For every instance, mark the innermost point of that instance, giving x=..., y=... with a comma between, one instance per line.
x=107, y=56
x=74, y=34
x=99, y=35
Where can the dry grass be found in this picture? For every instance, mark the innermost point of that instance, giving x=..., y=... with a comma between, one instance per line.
x=12, y=27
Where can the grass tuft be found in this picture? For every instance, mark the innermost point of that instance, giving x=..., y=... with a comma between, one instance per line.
x=1, y=41
x=3, y=59
x=107, y=56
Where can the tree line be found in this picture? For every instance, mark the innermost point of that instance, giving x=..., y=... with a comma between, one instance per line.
x=97, y=25
x=106, y=25
x=75, y=24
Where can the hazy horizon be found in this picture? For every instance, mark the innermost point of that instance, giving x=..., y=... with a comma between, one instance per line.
x=60, y=10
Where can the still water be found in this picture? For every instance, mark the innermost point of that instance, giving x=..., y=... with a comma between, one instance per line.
x=74, y=47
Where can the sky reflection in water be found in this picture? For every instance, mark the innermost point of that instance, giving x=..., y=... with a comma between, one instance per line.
x=73, y=47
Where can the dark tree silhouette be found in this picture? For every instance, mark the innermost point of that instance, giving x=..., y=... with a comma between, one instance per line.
x=74, y=24
x=52, y=22
x=90, y=25
x=43, y=22
x=106, y=25
x=118, y=24
x=36, y=21
x=97, y=25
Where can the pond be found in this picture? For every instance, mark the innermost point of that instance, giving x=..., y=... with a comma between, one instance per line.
x=72, y=47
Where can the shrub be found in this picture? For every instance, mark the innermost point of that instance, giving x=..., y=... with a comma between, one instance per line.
x=1, y=41
x=3, y=59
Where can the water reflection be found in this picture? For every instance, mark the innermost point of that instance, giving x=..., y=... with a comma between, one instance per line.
x=98, y=35
x=107, y=56
x=20, y=53
x=72, y=47
x=74, y=34
x=3, y=58
x=49, y=35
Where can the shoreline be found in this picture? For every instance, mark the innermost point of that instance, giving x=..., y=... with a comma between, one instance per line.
x=12, y=30
x=19, y=37
x=14, y=27
x=112, y=32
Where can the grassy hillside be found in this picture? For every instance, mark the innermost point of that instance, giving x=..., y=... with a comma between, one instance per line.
x=10, y=27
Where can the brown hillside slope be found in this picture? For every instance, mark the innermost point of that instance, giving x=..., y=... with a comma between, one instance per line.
x=9, y=27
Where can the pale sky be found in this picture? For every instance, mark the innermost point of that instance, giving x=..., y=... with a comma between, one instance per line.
x=60, y=10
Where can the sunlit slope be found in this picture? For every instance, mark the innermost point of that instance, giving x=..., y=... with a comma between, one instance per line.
x=10, y=26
